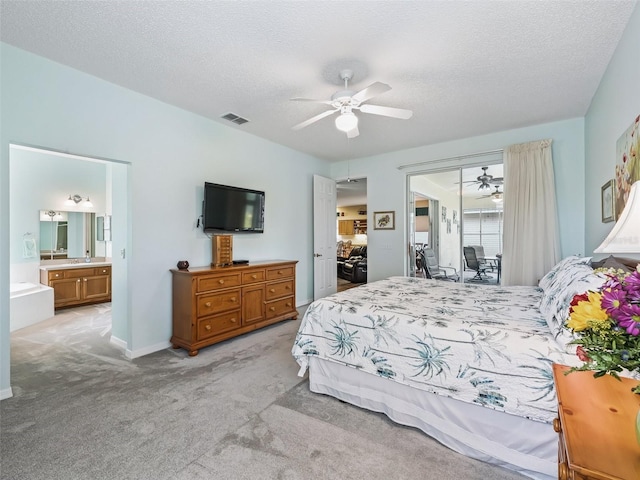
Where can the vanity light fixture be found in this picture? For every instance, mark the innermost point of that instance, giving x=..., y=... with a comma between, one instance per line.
x=74, y=200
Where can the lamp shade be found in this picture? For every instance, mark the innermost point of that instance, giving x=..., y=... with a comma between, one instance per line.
x=625, y=236
x=346, y=122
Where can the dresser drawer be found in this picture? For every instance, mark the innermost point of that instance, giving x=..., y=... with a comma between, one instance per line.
x=253, y=276
x=210, y=326
x=278, y=273
x=217, y=282
x=218, y=302
x=280, y=289
x=279, y=307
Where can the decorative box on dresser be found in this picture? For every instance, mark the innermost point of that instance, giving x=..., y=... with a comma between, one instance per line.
x=212, y=304
x=596, y=426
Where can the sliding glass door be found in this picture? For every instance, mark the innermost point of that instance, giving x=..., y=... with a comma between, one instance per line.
x=465, y=220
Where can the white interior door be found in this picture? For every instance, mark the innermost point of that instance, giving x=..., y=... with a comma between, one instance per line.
x=324, y=237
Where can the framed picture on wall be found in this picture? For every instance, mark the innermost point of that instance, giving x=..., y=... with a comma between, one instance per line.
x=384, y=220
x=607, y=200
x=444, y=214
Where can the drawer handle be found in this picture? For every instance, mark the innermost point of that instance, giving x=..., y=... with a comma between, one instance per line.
x=85, y=279
x=232, y=299
x=104, y=271
x=272, y=309
x=272, y=290
x=288, y=287
x=288, y=304
x=557, y=427
x=254, y=276
x=221, y=282
x=233, y=320
x=207, y=327
x=78, y=280
x=208, y=304
x=279, y=272
x=57, y=275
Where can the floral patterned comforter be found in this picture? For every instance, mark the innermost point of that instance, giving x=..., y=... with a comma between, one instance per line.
x=480, y=344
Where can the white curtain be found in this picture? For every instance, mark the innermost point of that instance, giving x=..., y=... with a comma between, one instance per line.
x=531, y=240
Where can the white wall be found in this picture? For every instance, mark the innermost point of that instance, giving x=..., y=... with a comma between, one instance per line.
x=614, y=107
x=386, y=185
x=170, y=154
x=44, y=182
x=449, y=244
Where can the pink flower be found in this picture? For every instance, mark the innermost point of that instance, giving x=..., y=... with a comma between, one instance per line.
x=582, y=355
x=629, y=319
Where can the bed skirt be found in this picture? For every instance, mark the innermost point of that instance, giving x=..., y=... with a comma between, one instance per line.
x=526, y=446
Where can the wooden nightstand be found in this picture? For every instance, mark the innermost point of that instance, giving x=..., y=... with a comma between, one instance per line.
x=596, y=425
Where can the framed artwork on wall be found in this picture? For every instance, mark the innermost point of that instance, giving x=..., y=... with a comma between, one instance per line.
x=444, y=214
x=627, y=164
x=384, y=220
x=607, y=201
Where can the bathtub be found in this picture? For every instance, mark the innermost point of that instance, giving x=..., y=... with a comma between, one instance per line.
x=30, y=303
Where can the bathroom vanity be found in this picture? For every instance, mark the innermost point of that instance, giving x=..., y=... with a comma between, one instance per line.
x=77, y=283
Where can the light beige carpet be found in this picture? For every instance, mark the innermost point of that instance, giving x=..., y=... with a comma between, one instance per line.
x=238, y=410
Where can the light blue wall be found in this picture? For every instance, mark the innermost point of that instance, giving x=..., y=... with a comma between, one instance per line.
x=386, y=186
x=614, y=107
x=171, y=154
x=44, y=182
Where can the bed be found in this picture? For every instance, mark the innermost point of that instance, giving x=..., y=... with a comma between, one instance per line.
x=468, y=364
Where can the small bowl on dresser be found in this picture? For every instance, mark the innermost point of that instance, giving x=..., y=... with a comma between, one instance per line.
x=183, y=265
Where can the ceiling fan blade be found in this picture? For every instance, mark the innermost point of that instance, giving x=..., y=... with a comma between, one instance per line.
x=298, y=99
x=386, y=111
x=313, y=119
x=499, y=180
x=353, y=133
x=371, y=91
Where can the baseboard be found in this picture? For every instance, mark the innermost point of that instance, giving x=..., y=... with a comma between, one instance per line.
x=6, y=393
x=131, y=354
x=118, y=342
x=303, y=303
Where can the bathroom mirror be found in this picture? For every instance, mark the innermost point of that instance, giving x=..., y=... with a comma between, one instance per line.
x=66, y=234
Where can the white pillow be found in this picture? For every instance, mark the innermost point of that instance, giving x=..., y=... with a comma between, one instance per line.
x=563, y=264
x=574, y=280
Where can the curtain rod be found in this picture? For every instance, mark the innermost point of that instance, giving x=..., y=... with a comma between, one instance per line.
x=457, y=157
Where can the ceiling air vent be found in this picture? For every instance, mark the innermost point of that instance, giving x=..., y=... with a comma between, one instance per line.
x=232, y=117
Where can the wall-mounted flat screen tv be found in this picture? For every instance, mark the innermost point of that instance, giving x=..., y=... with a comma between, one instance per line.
x=232, y=209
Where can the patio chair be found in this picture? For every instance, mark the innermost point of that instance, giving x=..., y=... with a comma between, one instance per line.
x=473, y=263
x=434, y=270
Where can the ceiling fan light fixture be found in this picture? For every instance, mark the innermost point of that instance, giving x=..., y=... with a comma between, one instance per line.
x=346, y=122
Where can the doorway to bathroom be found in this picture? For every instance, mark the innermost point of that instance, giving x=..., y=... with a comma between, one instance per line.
x=50, y=181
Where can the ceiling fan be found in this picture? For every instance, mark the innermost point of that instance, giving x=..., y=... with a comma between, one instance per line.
x=346, y=101
x=486, y=181
x=495, y=196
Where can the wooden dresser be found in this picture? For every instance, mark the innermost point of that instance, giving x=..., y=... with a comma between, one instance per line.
x=596, y=427
x=211, y=304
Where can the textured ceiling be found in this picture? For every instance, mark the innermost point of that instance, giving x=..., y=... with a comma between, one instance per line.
x=464, y=67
